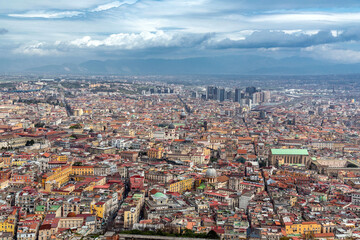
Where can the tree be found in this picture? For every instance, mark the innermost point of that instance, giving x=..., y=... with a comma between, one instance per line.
x=212, y=235
x=74, y=136
x=351, y=165
x=285, y=238
x=39, y=125
x=30, y=142
x=160, y=233
x=262, y=164
x=241, y=160
x=309, y=236
x=188, y=233
x=76, y=126
x=142, y=153
x=213, y=159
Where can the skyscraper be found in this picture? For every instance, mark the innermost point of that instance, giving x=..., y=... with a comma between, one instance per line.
x=250, y=90
x=221, y=94
x=210, y=92
x=216, y=93
x=256, y=97
x=237, y=95
x=266, y=96
x=229, y=95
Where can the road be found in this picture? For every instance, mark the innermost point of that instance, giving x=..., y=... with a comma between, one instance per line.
x=63, y=100
x=135, y=237
x=187, y=109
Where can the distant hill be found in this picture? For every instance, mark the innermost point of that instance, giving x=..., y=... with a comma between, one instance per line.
x=252, y=65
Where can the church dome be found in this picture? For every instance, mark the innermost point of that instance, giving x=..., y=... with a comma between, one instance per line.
x=171, y=126
x=211, y=173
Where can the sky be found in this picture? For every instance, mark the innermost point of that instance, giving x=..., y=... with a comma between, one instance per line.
x=74, y=31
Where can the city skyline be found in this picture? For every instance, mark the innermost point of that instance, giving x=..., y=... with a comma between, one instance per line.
x=189, y=120
x=153, y=157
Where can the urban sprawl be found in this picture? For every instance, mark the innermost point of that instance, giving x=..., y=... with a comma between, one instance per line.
x=95, y=158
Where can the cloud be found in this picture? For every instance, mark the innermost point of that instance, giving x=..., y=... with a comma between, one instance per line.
x=143, y=41
x=22, y=6
x=188, y=27
x=327, y=52
x=107, y=6
x=291, y=4
x=315, y=17
x=69, y=14
x=111, y=5
x=128, y=41
x=38, y=49
x=46, y=14
x=287, y=39
x=3, y=31
x=260, y=40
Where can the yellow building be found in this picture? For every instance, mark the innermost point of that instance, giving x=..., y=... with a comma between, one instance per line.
x=293, y=200
x=132, y=211
x=83, y=170
x=155, y=153
x=56, y=178
x=18, y=162
x=206, y=151
x=181, y=186
x=99, y=209
x=61, y=175
x=7, y=226
x=302, y=228
x=6, y=159
x=130, y=216
x=131, y=133
x=78, y=112
x=62, y=158
x=7, y=223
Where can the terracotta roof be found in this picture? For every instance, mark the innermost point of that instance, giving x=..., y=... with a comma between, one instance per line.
x=223, y=178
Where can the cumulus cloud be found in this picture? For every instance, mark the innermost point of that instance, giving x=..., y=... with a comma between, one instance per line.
x=3, y=31
x=261, y=40
x=38, y=49
x=287, y=39
x=46, y=14
x=327, y=52
x=190, y=27
x=128, y=41
x=121, y=41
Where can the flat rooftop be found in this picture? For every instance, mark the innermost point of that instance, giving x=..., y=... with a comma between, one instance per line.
x=290, y=152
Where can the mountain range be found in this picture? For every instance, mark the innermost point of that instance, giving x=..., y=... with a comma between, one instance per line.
x=251, y=65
